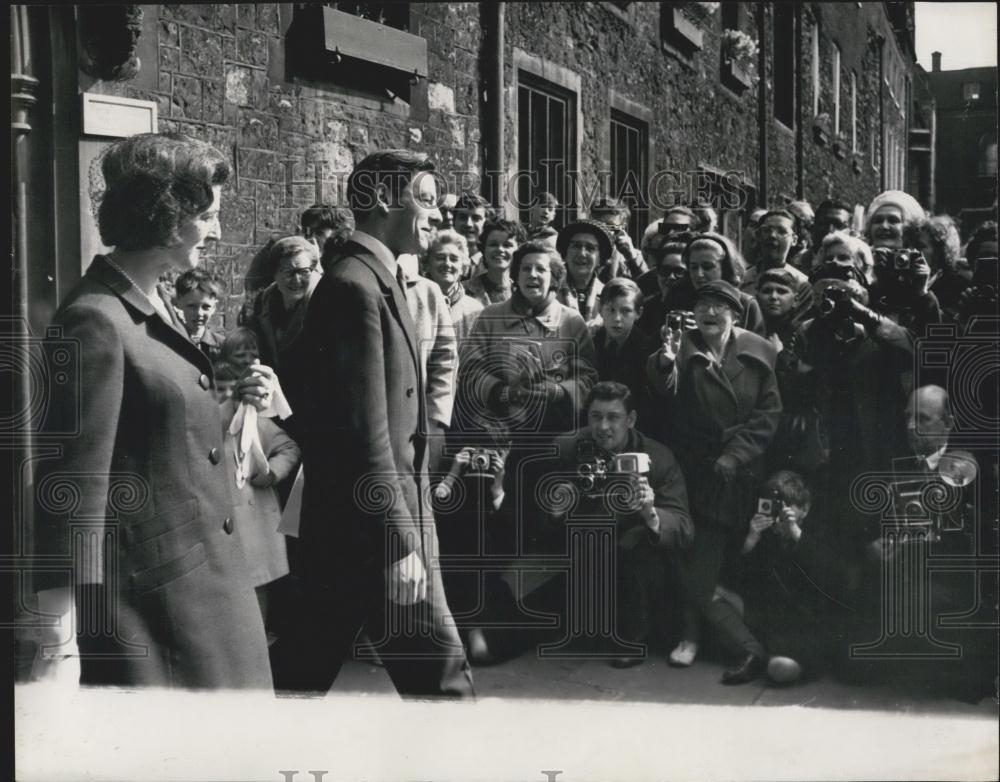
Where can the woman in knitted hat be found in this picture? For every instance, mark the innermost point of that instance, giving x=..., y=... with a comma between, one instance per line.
x=888, y=215
x=723, y=408
x=711, y=257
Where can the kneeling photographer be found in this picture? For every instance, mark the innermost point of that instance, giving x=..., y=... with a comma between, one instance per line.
x=796, y=583
x=609, y=469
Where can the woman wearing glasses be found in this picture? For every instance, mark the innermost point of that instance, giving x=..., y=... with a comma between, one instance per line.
x=723, y=407
x=277, y=319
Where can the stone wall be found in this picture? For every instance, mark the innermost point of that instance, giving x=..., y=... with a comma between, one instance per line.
x=222, y=73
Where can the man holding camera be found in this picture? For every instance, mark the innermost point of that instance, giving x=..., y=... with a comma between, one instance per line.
x=616, y=471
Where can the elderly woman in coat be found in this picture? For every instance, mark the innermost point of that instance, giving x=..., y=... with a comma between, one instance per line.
x=711, y=257
x=723, y=405
x=135, y=505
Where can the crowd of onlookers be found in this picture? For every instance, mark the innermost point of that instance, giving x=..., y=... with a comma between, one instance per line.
x=715, y=400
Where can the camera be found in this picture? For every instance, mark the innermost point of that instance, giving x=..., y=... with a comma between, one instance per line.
x=480, y=462
x=770, y=507
x=594, y=472
x=904, y=267
x=677, y=320
x=835, y=302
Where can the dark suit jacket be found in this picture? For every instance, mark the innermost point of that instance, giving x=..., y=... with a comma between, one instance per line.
x=364, y=436
x=138, y=495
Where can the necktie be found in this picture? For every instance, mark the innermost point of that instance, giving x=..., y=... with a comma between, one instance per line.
x=401, y=278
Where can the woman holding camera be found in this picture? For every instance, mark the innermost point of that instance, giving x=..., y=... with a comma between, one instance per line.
x=901, y=272
x=709, y=258
x=723, y=408
x=137, y=497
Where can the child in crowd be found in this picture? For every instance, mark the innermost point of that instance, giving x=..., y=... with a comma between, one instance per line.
x=271, y=456
x=226, y=378
x=795, y=578
x=543, y=212
x=239, y=349
x=622, y=349
x=196, y=297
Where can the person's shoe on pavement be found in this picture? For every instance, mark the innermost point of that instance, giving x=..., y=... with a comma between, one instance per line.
x=479, y=650
x=783, y=670
x=750, y=668
x=683, y=654
x=627, y=662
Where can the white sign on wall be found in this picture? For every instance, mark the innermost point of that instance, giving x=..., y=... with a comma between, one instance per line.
x=107, y=117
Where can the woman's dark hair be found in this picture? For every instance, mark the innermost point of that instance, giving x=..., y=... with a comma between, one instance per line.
x=512, y=228
x=662, y=245
x=986, y=232
x=533, y=247
x=152, y=183
x=731, y=263
x=944, y=239
x=609, y=391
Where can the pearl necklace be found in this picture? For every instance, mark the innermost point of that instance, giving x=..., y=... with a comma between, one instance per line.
x=159, y=308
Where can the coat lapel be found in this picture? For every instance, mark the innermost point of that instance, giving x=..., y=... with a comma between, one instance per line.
x=172, y=333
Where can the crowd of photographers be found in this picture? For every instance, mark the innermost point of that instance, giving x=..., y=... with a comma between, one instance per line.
x=714, y=406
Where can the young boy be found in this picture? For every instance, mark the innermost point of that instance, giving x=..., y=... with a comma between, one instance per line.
x=794, y=578
x=622, y=349
x=543, y=212
x=196, y=297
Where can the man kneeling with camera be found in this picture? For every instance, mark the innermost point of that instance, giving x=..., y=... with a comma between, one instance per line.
x=614, y=471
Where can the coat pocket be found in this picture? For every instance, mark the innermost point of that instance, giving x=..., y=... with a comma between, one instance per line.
x=160, y=575
x=165, y=521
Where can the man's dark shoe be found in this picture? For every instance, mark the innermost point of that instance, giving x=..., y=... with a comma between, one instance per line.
x=749, y=669
x=627, y=662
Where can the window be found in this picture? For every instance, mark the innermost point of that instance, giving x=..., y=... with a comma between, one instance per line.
x=815, y=68
x=971, y=91
x=679, y=32
x=987, y=157
x=854, y=111
x=784, y=64
x=836, y=89
x=546, y=144
x=630, y=169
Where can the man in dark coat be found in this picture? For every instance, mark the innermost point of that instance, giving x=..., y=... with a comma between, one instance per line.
x=367, y=534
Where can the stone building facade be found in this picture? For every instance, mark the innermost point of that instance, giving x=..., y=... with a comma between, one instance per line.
x=633, y=98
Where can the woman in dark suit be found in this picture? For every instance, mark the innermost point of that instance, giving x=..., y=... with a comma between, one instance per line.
x=136, y=504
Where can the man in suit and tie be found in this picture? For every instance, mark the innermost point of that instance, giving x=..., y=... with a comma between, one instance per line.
x=367, y=534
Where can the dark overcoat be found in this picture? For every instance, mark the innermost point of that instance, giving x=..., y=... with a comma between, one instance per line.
x=364, y=446
x=137, y=498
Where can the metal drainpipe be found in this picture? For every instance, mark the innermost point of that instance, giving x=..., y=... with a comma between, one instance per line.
x=881, y=114
x=762, y=104
x=494, y=100
x=800, y=167
x=22, y=85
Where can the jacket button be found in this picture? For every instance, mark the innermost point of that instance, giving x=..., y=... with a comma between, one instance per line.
x=227, y=526
x=409, y=391
x=213, y=456
x=205, y=382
